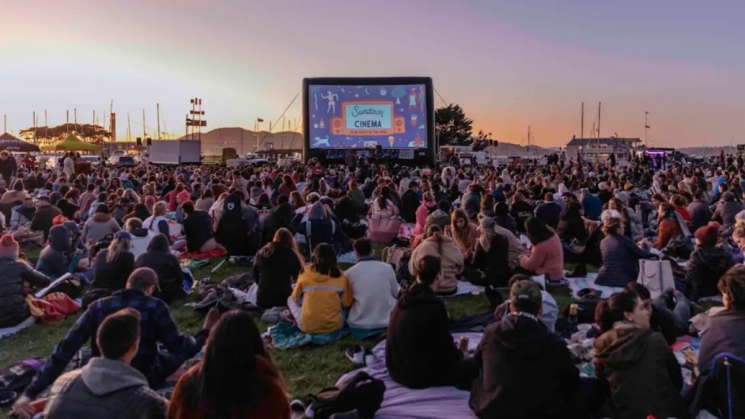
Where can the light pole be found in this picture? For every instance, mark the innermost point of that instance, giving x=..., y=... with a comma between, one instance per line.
x=256, y=127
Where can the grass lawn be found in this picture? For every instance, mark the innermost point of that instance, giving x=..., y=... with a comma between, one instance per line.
x=306, y=370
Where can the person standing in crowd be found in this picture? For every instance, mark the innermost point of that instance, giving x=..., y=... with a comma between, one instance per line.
x=8, y=166
x=108, y=386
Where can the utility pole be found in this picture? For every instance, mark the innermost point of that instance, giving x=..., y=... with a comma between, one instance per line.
x=35, y=141
x=46, y=126
x=129, y=128
x=75, y=110
x=67, y=124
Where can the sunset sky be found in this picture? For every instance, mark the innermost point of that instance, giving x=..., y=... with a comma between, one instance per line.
x=509, y=64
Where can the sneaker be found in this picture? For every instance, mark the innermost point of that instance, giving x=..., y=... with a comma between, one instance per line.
x=356, y=354
x=556, y=284
x=369, y=357
x=297, y=409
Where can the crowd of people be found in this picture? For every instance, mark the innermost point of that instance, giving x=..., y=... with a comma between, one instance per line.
x=492, y=227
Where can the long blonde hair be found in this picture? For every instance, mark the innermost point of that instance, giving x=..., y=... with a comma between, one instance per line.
x=117, y=247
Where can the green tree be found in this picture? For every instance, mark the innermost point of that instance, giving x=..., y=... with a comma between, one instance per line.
x=452, y=125
x=482, y=140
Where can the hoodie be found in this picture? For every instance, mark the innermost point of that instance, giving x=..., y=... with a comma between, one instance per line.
x=513, y=353
x=641, y=373
x=104, y=388
x=160, y=259
x=141, y=238
x=54, y=259
x=419, y=348
x=321, y=298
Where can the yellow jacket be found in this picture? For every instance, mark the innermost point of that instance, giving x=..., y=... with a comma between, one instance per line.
x=321, y=298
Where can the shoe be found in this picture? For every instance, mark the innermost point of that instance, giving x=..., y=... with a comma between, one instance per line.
x=580, y=271
x=369, y=357
x=356, y=354
x=556, y=284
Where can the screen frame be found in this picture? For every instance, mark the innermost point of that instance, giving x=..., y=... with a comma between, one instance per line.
x=425, y=155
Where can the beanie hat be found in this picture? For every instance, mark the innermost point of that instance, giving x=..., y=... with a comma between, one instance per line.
x=707, y=235
x=184, y=196
x=8, y=247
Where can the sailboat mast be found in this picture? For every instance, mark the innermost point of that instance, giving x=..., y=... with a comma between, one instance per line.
x=144, y=129
x=158, y=112
x=129, y=129
x=599, y=103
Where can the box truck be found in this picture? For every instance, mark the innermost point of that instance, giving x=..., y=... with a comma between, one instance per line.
x=175, y=152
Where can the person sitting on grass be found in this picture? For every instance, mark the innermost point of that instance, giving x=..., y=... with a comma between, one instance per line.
x=100, y=225
x=442, y=247
x=170, y=276
x=198, y=230
x=108, y=386
x=276, y=267
x=320, y=294
x=234, y=349
x=157, y=325
x=546, y=255
x=635, y=364
x=141, y=237
x=420, y=351
x=374, y=287
x=515, y=350
x=13, y=273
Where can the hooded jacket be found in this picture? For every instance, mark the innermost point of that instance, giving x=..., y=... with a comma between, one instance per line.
x=232, y=229
x=409, y=204
x=141, y=238
x=98, y=227
x=527, y=372
x=451, y=259
x=276, y=267
x=321, y=298
x=104, y=388
x=419, y=347
x=112, y=275
x=439, y=218
x=160, y=259
x=642, y=374
x=279, y=217
x=706, y=266
x=54, y=259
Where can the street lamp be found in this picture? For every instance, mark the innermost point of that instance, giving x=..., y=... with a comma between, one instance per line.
x=256, y=131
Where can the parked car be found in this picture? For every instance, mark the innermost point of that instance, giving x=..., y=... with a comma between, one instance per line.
x=122, y=161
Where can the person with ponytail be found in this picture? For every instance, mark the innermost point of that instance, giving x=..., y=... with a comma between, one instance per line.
x=235, y=378
x=438, y=245
x=635, y=364
x=384, y=207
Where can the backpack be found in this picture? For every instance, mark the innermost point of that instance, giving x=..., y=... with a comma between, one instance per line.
x=362, y=393
x=19, y=375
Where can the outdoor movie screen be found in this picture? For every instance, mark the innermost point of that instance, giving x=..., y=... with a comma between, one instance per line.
x=347, y=116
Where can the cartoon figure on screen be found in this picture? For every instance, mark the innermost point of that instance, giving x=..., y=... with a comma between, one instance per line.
x=421, y=98
x=412, y=99
x=321, y=141
x=391, y=140
x=332, y=97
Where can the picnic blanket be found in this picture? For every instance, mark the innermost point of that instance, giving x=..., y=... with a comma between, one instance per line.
x=465, y=288
x=287, y=335
x=8, y=331
x=431, y=403
x=204, y=255
x=347, y=258
x=576, y=284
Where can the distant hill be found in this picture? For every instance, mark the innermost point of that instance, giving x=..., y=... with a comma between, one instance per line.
x=509, y=149
x=707, y=151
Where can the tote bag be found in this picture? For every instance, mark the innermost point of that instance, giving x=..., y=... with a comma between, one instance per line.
x=656, y=275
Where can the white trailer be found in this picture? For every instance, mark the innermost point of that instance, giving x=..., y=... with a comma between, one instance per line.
x=175, y=152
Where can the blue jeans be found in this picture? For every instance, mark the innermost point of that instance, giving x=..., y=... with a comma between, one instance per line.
x=682, y=309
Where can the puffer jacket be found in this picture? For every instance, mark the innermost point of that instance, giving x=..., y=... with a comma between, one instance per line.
x=104, y=388
x=706, y=266
x=13, y=307
x=451, y=259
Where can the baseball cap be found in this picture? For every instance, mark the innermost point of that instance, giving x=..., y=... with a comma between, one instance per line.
x=525, y=295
